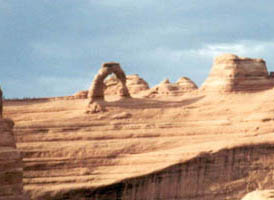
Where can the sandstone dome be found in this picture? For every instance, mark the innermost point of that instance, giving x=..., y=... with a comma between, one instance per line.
x=186, y=84
x=166, y=88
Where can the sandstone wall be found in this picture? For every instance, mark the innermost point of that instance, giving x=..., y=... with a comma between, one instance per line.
x=228, y=174
x=232, y=73
x=11, y=167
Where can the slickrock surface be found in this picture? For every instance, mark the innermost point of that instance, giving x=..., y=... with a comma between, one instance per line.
x=11, y=168
x=232, y=73
x=260, y=195
x=135, y=84
x=196, y=146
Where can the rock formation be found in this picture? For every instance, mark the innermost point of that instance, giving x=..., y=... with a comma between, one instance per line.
x=134, y=83
x=166, y=88
x=96, y=91
x=11, y=166
x=232, y=73
x=83, y=94
x=186, y=84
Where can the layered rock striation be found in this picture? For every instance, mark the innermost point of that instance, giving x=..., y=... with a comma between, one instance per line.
x=233, y=73
x=226, y=174
x=11, y=166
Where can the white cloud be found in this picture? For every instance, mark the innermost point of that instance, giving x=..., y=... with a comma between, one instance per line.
x=244, y=48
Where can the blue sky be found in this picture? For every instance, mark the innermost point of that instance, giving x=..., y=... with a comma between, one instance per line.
x=54, y=48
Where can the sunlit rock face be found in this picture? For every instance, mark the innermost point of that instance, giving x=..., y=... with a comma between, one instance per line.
x=134, y=83
x=233, y=73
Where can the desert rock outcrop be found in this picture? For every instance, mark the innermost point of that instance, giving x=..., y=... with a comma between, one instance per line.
x=186, y=84
x=232, y=73
x=166, y=88
x=96, y=90
x=134, y=83
x=83, y=94
x=11, y=166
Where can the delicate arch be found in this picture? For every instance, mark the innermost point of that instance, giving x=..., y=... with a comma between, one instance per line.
x=96, y=90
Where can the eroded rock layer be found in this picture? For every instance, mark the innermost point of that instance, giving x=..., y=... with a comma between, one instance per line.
x=134, y=83
x=11, y=168
x=232, y=73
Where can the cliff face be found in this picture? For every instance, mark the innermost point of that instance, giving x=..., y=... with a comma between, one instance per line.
x=227, y=174
x=232, y=73
x=11, y=166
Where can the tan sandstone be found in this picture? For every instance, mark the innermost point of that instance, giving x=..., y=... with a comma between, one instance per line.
x=233, y=73
x=134, y=83
x=166, y=88
x=96, y=91
x=11, y=166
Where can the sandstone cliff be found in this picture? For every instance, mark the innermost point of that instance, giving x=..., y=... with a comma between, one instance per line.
x=11, y=167
x=232, y=73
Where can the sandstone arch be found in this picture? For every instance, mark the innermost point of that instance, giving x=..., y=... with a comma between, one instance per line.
x=96, y=91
